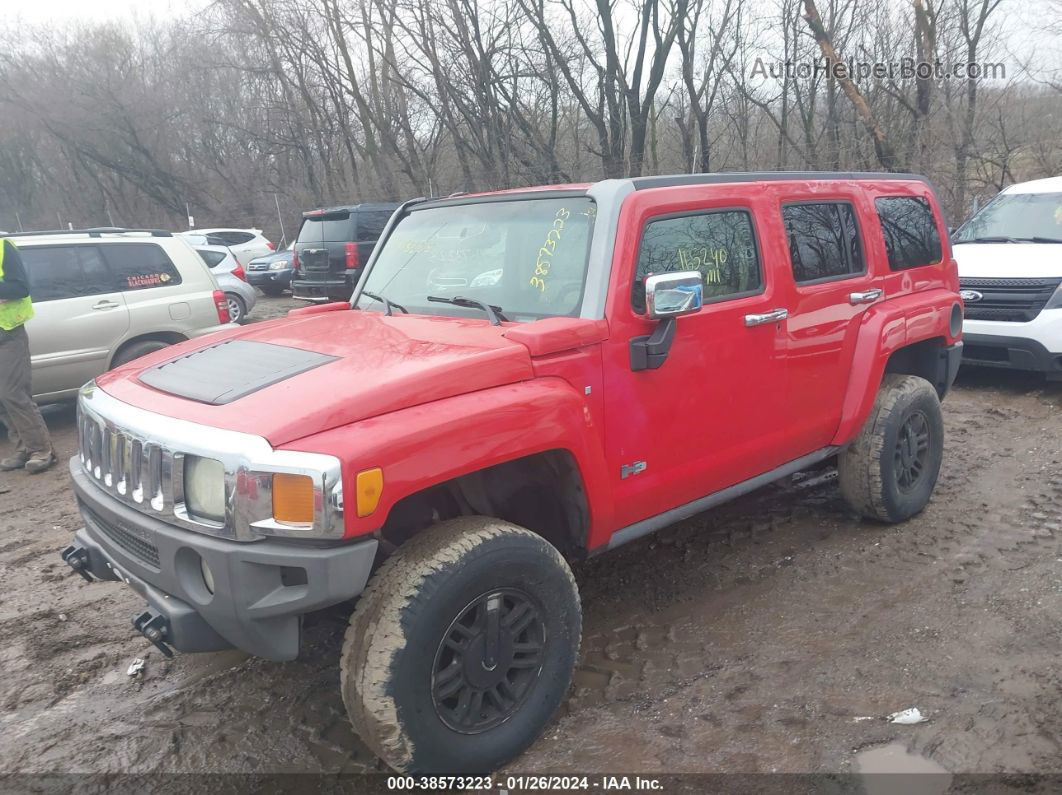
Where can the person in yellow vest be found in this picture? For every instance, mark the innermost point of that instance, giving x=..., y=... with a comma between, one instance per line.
x=25, y=426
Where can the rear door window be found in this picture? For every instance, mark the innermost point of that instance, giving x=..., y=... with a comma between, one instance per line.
x=911, y=235
x=140, y=266
x=823, y=241
x=57, y=272
x=721, y=245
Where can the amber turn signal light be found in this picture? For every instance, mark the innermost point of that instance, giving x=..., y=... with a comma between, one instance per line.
x=292, y=499
x=369, y=489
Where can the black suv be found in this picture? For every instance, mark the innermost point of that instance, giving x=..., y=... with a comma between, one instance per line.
x=333, y=246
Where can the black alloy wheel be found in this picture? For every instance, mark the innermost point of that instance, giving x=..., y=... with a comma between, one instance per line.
x=487, y=661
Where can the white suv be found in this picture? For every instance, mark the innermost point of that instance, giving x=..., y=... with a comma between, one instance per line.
x=103, y=297
x=1010, y=275
x=245, y=244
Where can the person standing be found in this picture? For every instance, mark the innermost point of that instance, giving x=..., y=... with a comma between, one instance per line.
x=33, y=445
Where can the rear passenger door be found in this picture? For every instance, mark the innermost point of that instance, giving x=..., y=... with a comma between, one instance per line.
x=79, y=316
x=832, y=286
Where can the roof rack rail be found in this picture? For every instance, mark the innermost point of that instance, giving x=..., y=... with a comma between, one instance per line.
x=96, y=231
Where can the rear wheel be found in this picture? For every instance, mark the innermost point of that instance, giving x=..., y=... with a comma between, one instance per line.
x=237, y=308
x=890, y=470
x=462, y=647
x=135, y=350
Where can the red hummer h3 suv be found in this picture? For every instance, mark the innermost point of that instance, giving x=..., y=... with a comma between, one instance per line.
x=521, y=379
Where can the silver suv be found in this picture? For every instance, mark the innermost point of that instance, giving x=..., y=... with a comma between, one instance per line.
x=103, y=297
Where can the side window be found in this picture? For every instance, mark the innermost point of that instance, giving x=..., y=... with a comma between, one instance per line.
x=911, y=235
x=236, y=238
x=823, y=241
x=139, y=266
x=211, y=258
x=721, y=245
x=371, y=224
x=57, y=272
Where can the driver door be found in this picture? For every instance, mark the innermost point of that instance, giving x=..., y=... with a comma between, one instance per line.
x=712, y=414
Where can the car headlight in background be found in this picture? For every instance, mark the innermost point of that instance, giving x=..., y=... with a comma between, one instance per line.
x=204, y=488
x=280, y=265
x=487, y=279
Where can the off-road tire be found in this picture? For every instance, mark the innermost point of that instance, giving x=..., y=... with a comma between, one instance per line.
x=869, y=472
x=391, y=646
x=136, y=350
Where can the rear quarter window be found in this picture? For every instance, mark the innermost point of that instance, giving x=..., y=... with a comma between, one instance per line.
x=211, y=258
x=911, y=235
x=371, y=224
x=140, y=266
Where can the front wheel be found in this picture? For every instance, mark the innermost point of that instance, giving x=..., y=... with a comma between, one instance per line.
x=891, y=468
x=462, y=648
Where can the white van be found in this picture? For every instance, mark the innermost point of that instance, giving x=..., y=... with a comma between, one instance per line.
x=103, y=297
x=1010, y=275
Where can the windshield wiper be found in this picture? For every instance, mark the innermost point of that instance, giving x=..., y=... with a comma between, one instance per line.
x=996, y=239
x=1038, y=239
x=388, y=304
x=493, y=312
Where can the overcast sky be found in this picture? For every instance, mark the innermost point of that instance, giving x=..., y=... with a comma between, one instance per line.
x=37, y=11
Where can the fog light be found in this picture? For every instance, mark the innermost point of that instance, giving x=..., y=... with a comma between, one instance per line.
x=293, y=499
x=204, y=488
x=208, y=575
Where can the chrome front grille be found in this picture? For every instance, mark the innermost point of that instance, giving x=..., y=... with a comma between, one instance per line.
x=137, y=457
x=131, y=468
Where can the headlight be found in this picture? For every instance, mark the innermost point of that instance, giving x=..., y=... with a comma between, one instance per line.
x=204, y=488
x=1055, y=301
x=279, y=265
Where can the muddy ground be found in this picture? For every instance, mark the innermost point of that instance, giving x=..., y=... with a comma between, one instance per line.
x=770, y=635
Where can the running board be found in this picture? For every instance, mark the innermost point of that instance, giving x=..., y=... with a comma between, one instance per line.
x=654, y=523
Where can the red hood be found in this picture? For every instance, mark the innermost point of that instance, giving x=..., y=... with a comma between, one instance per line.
x=383, y=364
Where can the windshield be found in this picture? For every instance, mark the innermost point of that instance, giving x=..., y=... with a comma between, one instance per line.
x=527, y=257
x=1016, y=216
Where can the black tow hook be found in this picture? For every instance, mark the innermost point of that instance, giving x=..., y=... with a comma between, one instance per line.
x=155, y=628
x=77, y=558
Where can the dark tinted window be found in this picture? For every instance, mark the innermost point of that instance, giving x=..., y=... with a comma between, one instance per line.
x=235, y=238
x=371, y=224
x=328, y=229
x=823, y=241
x=211, y=258
x=721, y=245
x=139, y=266
x=66, y=272
x=911, y=235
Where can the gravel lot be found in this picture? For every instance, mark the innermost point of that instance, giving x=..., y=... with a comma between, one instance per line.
x=770, y=635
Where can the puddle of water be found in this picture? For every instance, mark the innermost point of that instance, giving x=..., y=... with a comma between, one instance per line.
x=887, y=769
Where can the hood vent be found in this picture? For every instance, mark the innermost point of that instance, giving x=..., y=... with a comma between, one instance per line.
x=230, y=370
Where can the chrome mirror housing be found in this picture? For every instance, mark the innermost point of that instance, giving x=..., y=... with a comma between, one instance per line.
x=674, y=294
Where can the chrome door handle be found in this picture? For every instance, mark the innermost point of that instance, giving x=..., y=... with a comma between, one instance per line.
x=105, y=304
x=869, y=297
x=773, y=316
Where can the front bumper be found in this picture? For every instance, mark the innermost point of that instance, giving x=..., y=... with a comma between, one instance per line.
x=1035, y=345
x=260, y=589
x=1011, y=353
x=269, y=278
